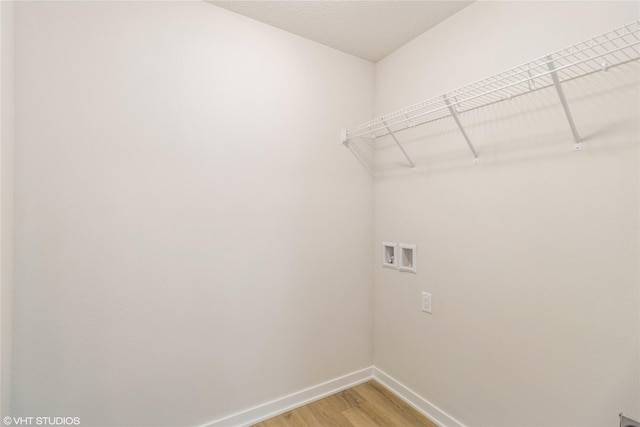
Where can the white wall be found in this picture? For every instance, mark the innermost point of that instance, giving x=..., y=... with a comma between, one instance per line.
x=191, y=240
x=6, y=200
x=532, y=255
x=191, y=237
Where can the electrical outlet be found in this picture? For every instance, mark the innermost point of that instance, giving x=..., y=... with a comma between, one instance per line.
x=426, y=302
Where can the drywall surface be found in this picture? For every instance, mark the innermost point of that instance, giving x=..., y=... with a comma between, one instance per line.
x=6, y=200
x=191, y=237
x=531, y=256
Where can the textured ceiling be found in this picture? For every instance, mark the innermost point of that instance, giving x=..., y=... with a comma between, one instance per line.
x=368, y=29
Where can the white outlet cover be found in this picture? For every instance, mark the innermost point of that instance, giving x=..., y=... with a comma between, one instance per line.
x=426, y=302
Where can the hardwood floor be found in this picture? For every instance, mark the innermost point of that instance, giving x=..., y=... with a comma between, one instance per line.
x=365, y=405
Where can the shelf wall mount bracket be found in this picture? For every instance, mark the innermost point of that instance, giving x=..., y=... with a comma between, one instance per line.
x=577, y=145
x=343, y=137
x=454, y=114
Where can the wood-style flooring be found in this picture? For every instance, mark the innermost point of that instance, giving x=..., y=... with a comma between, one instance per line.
x=365, y=405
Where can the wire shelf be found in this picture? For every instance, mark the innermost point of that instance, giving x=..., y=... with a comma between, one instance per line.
x=610, y=49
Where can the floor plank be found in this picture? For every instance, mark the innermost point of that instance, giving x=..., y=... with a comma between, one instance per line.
x=352, y=396
x=365, y=405
x=308, y=417
x=293, y=419
x=396, y=410
x=328, y=414
x=367, y=415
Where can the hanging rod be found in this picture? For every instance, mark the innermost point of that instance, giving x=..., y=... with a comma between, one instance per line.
x=616, y=47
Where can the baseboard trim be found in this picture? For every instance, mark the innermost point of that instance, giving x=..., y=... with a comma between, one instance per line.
x=294, y=400
x=414, y=399
x=281, y=405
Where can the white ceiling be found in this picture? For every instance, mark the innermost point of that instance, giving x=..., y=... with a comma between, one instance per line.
x=368, y=29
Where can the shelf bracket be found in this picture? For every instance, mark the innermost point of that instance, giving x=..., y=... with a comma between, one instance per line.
x=343, y=137
x=454, y=114
x=399, y=146
x=577, y=146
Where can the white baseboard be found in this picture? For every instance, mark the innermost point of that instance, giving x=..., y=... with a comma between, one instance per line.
x=414, y=399
x=278, y=406
x=294, y=400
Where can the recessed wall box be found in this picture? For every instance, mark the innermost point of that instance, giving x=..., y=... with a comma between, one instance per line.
x=389, y=255
x=407, y=261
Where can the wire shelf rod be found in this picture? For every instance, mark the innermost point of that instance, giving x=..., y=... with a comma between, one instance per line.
x=435, y=119
x=481, y=105
x=525, y=80
x=461, y=128
x=619, y=33
x=565, y=105
x=401, y=149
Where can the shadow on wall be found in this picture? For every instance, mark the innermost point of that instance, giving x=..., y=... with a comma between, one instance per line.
x=531, y=127
x=628, y=422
